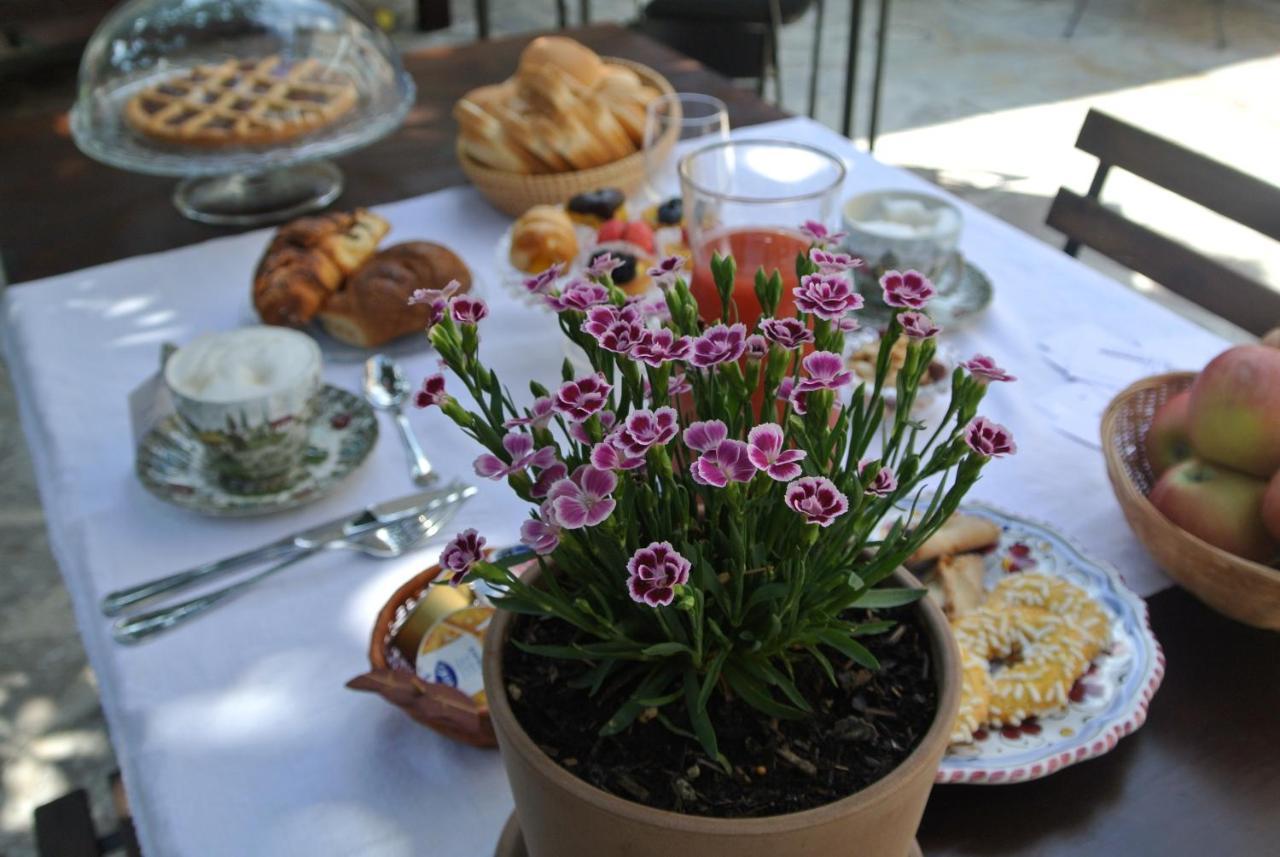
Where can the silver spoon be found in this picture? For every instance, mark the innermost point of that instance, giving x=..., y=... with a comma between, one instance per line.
x=386, y=388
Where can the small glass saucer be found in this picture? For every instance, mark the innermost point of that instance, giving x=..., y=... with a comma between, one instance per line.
x=171, y=463
x=963, y=292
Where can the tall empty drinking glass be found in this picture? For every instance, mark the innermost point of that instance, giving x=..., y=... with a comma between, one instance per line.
x=679, y=116
x=749, y=198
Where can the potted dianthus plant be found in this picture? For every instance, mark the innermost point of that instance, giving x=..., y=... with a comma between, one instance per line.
x=716, y=651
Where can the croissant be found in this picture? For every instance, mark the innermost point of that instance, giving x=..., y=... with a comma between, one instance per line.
x=542, y=236
x=307, y=260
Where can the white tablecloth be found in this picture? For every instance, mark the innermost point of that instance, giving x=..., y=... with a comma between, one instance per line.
x=235, y=734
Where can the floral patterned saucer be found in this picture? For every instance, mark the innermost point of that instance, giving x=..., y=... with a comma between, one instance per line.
x=170, y=462
x=1107, y=703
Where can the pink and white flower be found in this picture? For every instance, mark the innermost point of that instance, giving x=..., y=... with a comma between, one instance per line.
x=585, y=499
x=604, y=265
x=884, y=483
x=579, y=399
x=654, y=573
x=826, y=295
x=549, y=476
x=539, y=415
x=705, y=435
x=578, y=431
x=719, y=344
x=679, y=385
x=645, y=429
x=460, y=554
x=910, y=289
x=764, y=449
x=608, y=455
x=917, y=325
x=540, y=284
x=790, y=333
x=757, y=347
x=520, y=447
x=436, y=301
x=982, y=366
x=664, y=273
x=826, y=371
x=580, y=295
x=819, y=234
x=541, y=534
x=727, y=462
x=817, y=499
x=833, y=263
x=468, y=310
x=848, y=324
x=788, y=393
x=656, y=347
x=432, y=392
x=615, y=328
x=989, y=439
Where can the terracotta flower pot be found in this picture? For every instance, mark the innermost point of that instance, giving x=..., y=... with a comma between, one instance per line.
x=563, y=816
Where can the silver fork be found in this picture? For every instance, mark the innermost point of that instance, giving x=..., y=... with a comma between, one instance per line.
x=389, y=541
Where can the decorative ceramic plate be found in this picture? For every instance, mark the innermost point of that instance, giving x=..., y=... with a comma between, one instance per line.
x=170, y=462
x=1106, y=704
x=337, y=351
x=963, y=292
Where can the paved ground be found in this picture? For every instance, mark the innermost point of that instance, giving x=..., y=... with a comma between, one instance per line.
x=982, y=96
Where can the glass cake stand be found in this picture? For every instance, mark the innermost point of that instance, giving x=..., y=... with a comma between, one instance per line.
x=145, y=43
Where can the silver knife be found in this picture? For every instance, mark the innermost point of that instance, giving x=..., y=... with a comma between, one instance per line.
x=349, y=525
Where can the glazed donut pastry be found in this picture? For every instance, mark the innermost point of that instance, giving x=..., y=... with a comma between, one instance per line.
x=307, y=260
x=975, y=697
x=541, y=237
x=1042, y=655
x=373, y=308
x=1031, y=589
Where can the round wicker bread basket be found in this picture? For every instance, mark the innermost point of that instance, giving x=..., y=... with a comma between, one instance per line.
x=1247, y=591
x=516, y=193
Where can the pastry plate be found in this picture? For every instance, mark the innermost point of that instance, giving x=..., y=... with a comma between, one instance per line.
x=963, y=292
x=170, y=462
x=512, y=278
x=1107, y=703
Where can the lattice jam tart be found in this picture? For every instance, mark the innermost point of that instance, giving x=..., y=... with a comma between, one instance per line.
x=242, y=102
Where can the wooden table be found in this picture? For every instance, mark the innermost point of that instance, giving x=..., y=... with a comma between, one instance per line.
x=1203, y=775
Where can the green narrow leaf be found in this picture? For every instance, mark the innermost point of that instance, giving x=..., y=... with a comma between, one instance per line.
x=659, y=649
x=754, y=692
x=776, y=678
x=698, y=718
x=849, y=647
x=894, y=597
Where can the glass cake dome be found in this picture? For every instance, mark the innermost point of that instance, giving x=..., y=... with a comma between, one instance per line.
x=241, y=98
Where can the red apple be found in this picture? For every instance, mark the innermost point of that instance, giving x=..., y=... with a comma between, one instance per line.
x=1167, y=441
x=1271, y=507
x=1218, y=505
x=1234, y=413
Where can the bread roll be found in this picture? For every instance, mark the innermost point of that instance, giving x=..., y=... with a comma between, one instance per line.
x=572, y=57
x=960, y=534
x=307, y=260
x=542, y=236
x=372, y=308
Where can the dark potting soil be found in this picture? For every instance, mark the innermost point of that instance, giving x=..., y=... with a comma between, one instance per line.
x=860, y=731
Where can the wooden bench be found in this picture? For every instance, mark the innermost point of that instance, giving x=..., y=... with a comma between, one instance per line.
x=1211, y=284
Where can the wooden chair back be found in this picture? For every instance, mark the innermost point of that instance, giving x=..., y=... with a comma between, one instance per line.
x=1211, y=284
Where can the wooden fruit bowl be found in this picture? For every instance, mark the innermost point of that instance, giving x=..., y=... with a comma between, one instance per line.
x=516, y=193
x=444, y=709
x=1247, y=591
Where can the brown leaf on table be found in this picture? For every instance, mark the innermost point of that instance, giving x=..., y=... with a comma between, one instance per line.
x=445, y=709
